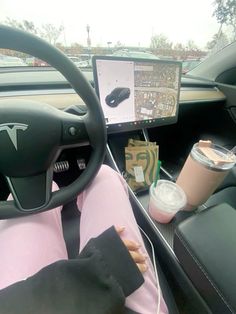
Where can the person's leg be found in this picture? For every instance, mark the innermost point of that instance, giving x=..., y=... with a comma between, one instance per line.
x=30, y=243
x=103, y=204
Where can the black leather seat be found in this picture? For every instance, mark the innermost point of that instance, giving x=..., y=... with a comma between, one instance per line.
x=226, y=192
x=205, y=247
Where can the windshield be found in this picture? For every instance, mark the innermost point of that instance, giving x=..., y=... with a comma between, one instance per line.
x=184, y=30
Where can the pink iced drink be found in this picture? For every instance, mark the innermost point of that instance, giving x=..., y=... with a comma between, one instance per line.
x=200, y=176
x=166, y=199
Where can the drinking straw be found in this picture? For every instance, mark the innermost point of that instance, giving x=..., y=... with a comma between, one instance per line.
x=157, y=177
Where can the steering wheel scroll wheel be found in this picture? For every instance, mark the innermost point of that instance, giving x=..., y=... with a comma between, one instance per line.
x=33, y=134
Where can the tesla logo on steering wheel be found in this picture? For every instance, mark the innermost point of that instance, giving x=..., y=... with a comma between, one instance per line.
x=12, y=129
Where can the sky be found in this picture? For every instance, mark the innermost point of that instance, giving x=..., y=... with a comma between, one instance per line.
x=130, y=22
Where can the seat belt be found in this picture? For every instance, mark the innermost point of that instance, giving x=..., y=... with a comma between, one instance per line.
x=71, y=227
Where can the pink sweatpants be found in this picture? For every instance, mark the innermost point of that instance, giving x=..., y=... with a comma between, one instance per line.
x=30, y=243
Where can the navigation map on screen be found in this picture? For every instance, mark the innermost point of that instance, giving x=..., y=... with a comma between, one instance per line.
x=135, y=91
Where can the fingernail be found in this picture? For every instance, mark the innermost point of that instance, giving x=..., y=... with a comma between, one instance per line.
x=121, y=228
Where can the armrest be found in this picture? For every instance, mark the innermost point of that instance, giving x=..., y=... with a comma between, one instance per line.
x=205, y=245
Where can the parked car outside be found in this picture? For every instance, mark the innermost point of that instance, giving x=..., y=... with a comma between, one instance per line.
x=78, y=62
x=35, y=62
x=8, y=61
x=135, y=54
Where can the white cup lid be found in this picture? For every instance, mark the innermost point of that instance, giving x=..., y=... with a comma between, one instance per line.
x=168, y=196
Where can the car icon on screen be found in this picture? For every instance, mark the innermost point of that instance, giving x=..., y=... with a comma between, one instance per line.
x=118, y=95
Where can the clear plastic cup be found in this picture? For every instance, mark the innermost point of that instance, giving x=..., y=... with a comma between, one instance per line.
x=166, y=199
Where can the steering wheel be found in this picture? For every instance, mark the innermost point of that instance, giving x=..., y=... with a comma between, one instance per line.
x=33, y=134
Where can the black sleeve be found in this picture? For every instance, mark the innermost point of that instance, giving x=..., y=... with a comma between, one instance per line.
x=96, y=282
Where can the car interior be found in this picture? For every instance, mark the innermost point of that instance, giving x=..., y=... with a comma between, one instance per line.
x=195, y=252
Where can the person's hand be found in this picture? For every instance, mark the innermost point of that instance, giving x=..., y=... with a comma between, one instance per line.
x=133, y=249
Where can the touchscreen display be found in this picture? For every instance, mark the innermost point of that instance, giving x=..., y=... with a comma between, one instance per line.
x=135, y=92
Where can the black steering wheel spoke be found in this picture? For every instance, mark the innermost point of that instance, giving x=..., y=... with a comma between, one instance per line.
x=31, y=193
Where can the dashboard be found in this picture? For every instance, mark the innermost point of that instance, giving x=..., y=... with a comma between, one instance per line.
x=57, y=93
x=65, y=97
x=47, y=84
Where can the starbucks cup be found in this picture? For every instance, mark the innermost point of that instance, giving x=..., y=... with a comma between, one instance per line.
x=203, y=172
x=166, y=199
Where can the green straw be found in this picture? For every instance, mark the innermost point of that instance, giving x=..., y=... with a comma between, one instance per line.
x=157, y=177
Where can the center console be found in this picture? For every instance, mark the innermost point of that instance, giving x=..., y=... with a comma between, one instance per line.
x=137, y=96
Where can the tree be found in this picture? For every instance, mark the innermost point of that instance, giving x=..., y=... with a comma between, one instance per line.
x=225, y=13
x=51, y=33
x=76, y=45
x=219, y=41
x=179, y=46
x=76, y=48
x=191, y=46
x=61, y=47
x=98, y=50
x=25, y=25
x=160, y=41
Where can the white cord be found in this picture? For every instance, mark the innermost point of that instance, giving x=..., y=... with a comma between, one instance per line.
x=155, y=269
